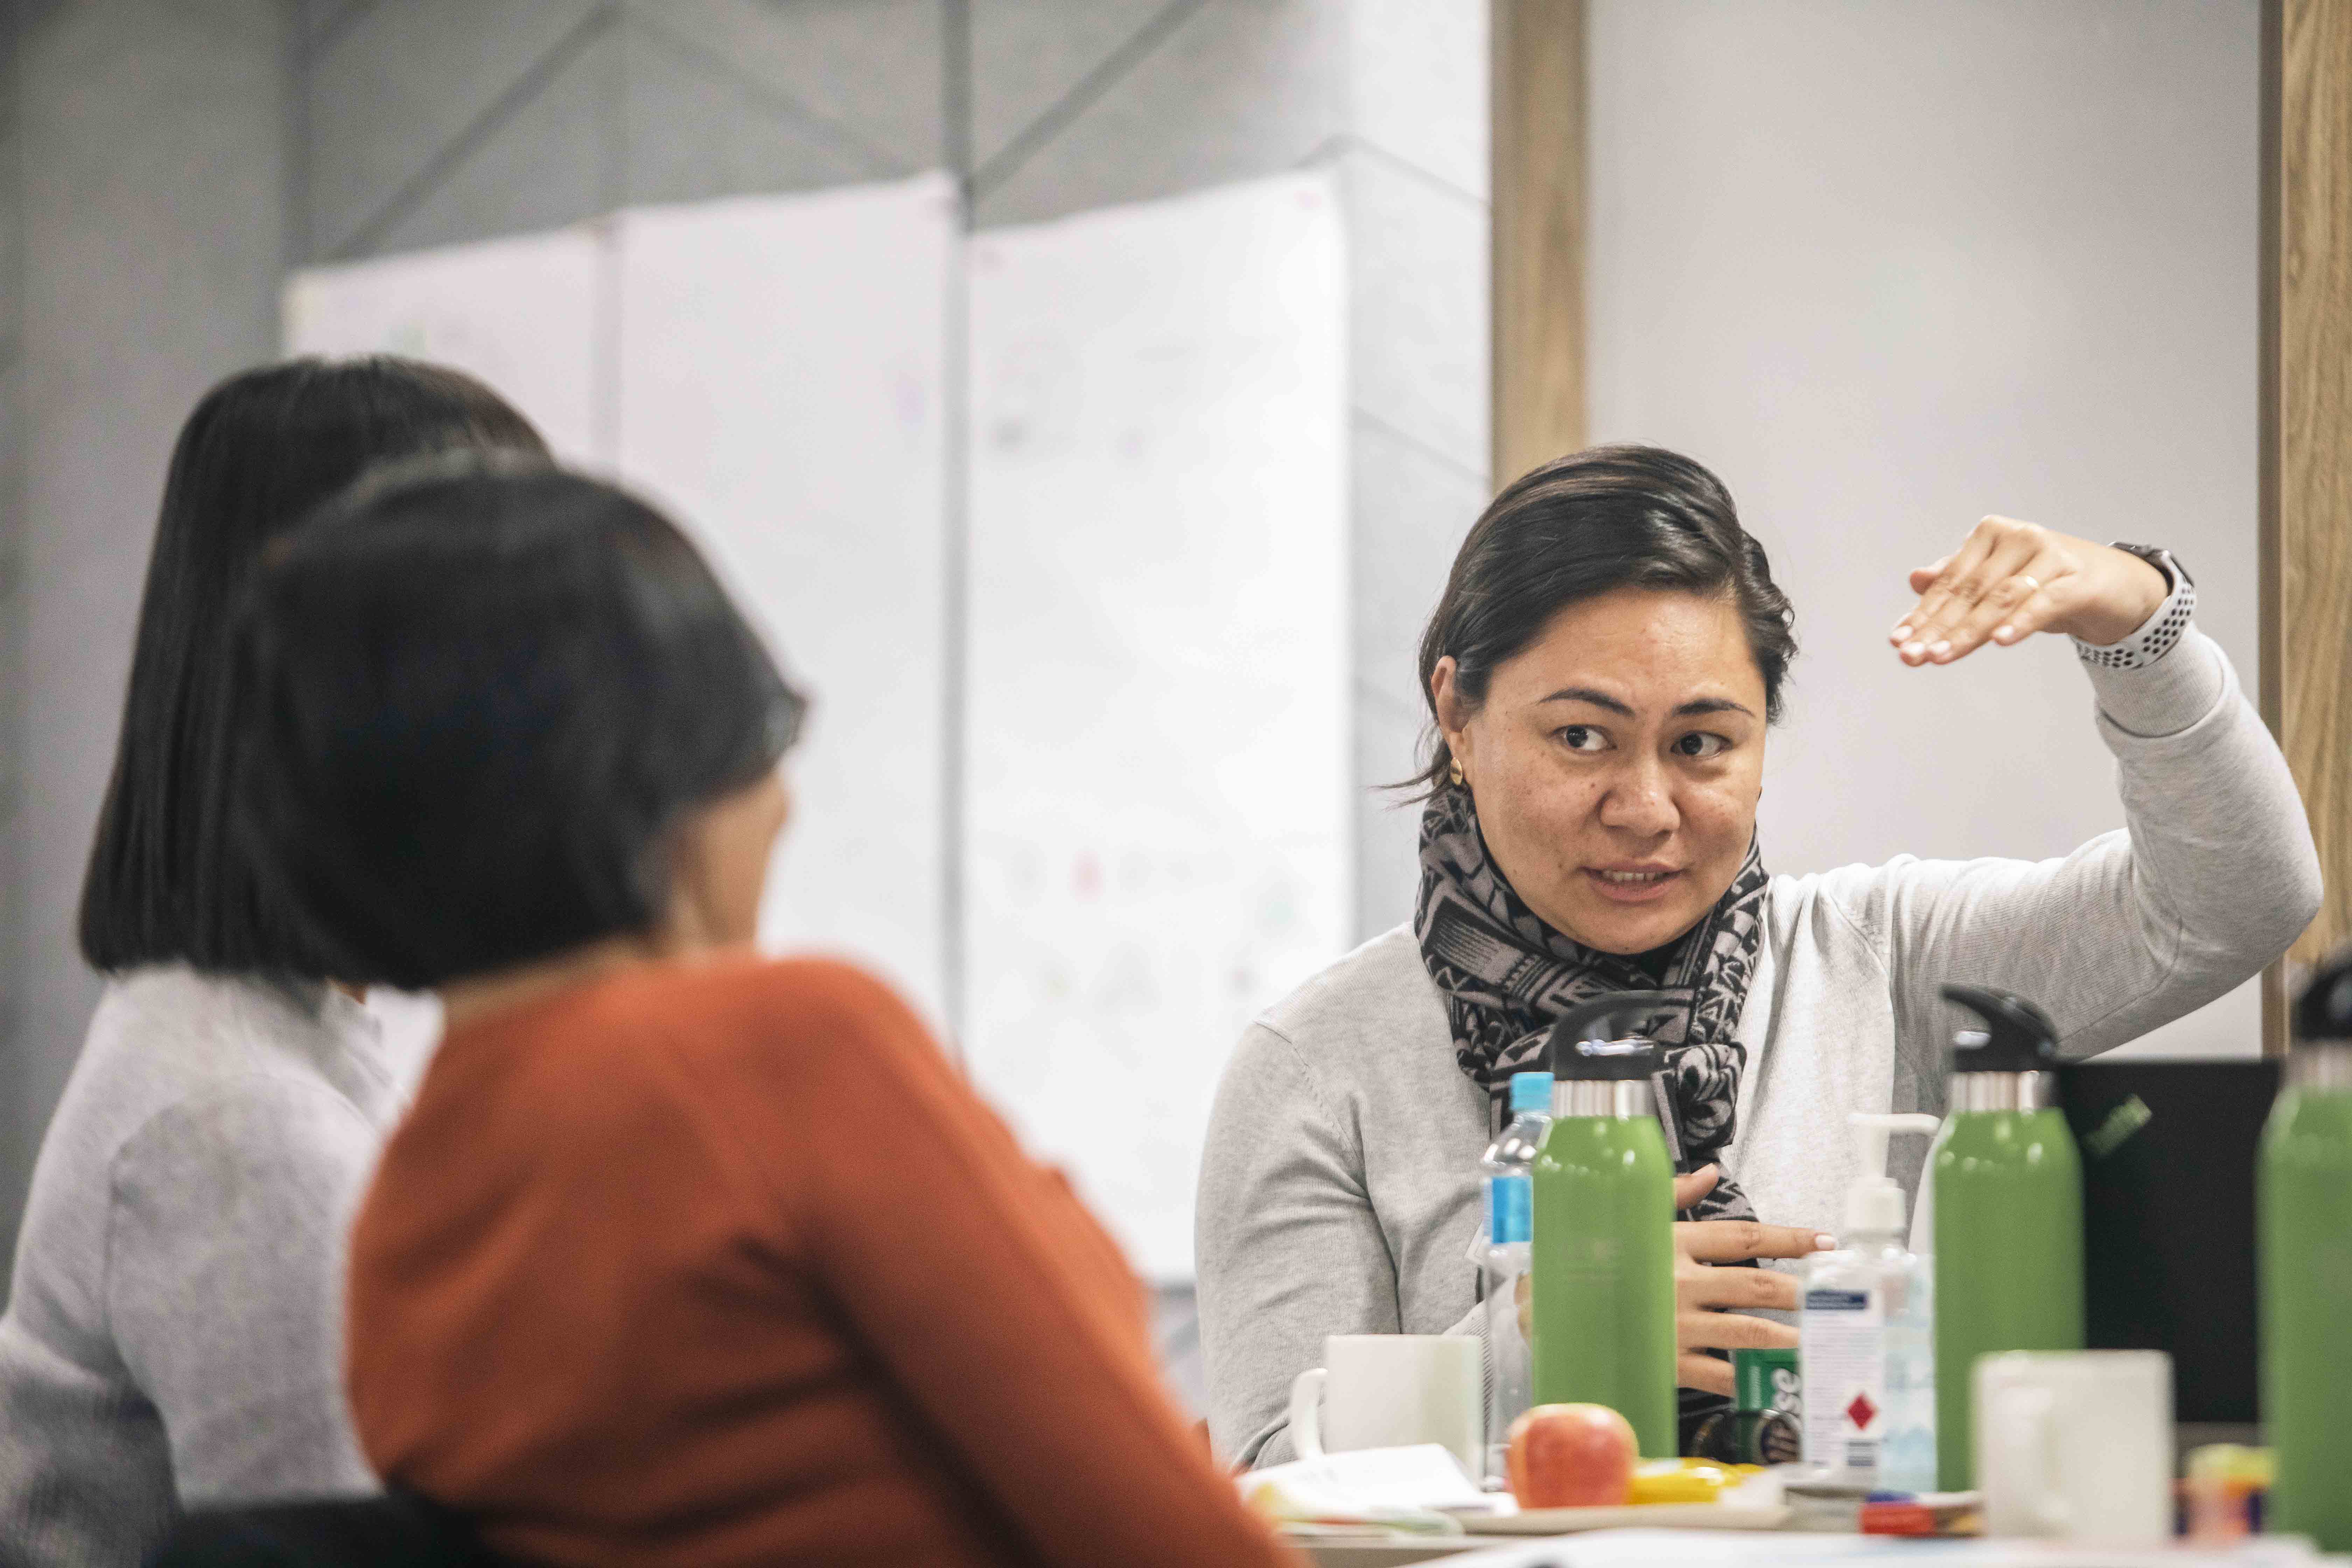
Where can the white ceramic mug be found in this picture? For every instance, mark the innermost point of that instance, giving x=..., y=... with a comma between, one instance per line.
x=2076, y=1445
x=1383, y=1391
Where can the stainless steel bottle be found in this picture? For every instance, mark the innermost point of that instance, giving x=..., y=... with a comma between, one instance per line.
x=2304, y=1188
x=1603, y=1267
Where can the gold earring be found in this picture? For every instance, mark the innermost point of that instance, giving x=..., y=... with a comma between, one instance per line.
x=1453, y=772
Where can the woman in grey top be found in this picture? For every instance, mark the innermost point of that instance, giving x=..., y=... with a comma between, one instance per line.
x=174, y=1327
x=1601, y=669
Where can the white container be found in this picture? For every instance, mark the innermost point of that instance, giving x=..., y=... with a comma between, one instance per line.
x=1390, y=1391
x=2076, y=1445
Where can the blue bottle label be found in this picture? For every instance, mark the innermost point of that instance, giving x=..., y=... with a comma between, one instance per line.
x=1510, y=1209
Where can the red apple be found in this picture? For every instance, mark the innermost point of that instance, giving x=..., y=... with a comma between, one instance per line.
x=1571, y=1455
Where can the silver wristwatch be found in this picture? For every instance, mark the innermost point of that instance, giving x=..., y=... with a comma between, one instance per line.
x=2156, y=634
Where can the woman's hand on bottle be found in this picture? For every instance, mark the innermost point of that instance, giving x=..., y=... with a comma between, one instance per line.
x=1712, y=1302
x=2010, y=579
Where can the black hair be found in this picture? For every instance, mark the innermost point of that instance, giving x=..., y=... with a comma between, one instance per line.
x=486, y=697
x=1582, y=526
x=166, y=883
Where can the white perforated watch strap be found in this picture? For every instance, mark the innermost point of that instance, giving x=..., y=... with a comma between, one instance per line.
x=2157, y=635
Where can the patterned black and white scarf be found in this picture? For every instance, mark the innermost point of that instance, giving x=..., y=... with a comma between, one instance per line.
x=1507, y=974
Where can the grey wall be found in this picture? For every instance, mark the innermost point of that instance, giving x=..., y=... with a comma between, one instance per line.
x=12, y=934
x=1889, y=268
x=151, y=136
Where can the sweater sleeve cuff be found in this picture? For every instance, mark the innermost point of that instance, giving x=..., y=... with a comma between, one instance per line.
x=2167, y=696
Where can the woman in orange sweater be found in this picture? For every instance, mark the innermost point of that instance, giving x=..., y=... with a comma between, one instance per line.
x=683, y=1256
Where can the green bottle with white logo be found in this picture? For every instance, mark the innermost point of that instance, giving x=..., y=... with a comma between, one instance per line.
x=2303, y=1189
x=2008, y=1211
x=1603, y=1256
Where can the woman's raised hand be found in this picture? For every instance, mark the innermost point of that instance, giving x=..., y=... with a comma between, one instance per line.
x=2010, y=579
x=1702, y=1289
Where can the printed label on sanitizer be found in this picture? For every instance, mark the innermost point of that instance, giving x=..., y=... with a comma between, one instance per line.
x=1843, y=1345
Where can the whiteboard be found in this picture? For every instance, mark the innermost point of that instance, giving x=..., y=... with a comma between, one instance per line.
x=781, y=372
x=1158, y=833
x=521, y=314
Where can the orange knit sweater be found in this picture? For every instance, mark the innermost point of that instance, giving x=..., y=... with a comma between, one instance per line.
x=722, y=1263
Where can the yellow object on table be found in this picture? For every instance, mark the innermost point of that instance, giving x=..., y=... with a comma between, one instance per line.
x=1685, y=1480
x=2228, y=1488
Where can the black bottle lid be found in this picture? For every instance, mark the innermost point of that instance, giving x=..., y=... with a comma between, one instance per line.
x=2324, y=1010
x=2015, y=1037
x=1594, y=1041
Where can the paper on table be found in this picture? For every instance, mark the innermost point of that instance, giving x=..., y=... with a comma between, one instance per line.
x=1703, y=1549
x=1402, y=1487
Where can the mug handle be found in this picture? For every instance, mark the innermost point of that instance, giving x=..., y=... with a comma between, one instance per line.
x=2025, y=1423
x=1306, y=1412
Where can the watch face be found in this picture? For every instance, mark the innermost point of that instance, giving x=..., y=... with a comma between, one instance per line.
x=2161, y=559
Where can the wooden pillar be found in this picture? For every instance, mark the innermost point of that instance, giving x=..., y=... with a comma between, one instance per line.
x=2307, y=440
x=1538, y=192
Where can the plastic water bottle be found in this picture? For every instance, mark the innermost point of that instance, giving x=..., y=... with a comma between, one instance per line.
x=1510, y=1230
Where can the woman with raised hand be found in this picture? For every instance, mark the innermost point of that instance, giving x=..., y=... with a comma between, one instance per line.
x=172, y=1332
x=1600, y=672
x=683, y=1255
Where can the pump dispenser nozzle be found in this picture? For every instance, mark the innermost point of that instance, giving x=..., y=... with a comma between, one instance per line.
x=1875, y=1201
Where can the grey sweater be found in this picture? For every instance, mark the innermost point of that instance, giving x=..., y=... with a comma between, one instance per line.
x=173, y=1332
x=1338, y=1185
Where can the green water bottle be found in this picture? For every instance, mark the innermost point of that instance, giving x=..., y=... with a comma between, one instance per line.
x=2304, y=1199
x=2008, y=1196
x=1603, y=1263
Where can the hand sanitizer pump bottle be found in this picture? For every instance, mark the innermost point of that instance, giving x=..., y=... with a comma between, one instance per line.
x=2305, y=1248
x=1604, y=1227
x=2008, y=1212
x=1868, y=1350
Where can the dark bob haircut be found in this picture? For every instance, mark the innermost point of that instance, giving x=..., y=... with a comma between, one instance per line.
x=1582, y=526
x=166, y=882
x=486, y=696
